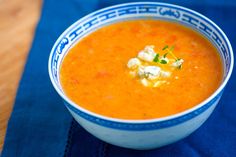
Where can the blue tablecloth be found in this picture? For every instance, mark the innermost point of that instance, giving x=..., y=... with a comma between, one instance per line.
x=40, y=125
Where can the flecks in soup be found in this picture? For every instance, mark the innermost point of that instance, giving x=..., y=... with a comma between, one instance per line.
x=95, y=73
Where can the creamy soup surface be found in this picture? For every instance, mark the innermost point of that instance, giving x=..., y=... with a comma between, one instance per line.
x=95, y=76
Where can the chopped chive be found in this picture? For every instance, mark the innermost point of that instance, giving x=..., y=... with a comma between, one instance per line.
x=165, y=55
x=156, y=58
x=172, y=48
x=170, y=51
x=165, y=47
x=163, y=62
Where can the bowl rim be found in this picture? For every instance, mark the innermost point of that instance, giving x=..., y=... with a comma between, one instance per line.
x=153, y=120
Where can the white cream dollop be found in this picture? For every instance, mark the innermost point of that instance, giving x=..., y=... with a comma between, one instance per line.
x=145, y=56
x=133, y=63
x=145, y=82
x=177, y=63
x=150, y=74
x=148, y=54
x=165, y=74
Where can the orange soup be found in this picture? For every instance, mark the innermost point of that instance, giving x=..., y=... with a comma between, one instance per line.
x=94, y=73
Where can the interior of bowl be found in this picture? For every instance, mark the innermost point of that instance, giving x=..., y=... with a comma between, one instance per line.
x=132, y=11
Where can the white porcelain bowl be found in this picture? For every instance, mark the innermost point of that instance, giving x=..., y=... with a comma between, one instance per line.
x=141, y=134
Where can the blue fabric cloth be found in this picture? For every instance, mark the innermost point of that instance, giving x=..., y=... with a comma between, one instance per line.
x=40, y=125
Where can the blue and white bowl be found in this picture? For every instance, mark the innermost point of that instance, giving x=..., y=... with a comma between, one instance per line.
x=141, y=134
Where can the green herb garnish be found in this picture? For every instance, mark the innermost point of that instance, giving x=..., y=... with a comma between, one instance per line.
x=172, y=48
x=169, y=51
x=156, y=58
x=163, y=62
x=165, y=47
x=165, y=55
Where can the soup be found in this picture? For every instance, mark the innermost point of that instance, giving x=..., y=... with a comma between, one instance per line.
x=94, y=73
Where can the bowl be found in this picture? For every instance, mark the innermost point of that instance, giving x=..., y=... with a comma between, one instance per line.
x=141, y=134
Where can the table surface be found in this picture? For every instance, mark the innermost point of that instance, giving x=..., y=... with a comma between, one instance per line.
x=17, y=18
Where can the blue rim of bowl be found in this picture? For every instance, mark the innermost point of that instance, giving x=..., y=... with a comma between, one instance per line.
x=150, y=124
